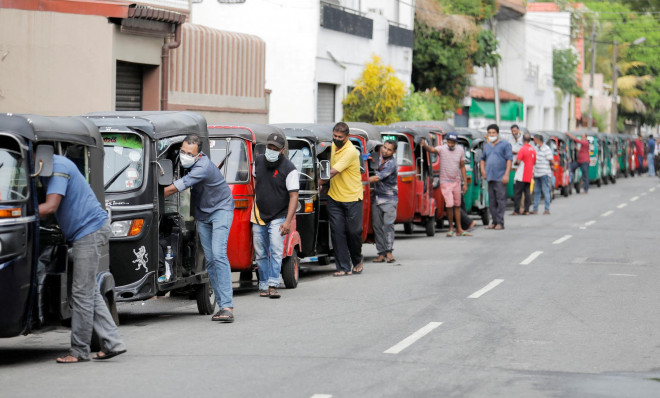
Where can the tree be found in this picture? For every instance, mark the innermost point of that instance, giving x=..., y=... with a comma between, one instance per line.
x=377, y=97
x=564, y=66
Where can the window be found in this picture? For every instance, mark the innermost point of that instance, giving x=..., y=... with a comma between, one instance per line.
x=123, y=165
x=300, y=154
x=13, y=173
x=231, y=154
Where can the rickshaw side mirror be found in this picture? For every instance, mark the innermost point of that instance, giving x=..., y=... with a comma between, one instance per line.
x=324, y=172
x=165, y=172
x=43, y=161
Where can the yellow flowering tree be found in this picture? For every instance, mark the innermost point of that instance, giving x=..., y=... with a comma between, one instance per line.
x=377, y=97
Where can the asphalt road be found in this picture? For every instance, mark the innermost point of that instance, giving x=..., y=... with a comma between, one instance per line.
x=563, y=305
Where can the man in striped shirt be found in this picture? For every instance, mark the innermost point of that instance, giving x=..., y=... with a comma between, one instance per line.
x=542, y=174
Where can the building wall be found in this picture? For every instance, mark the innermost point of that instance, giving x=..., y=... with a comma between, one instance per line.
x=55, y=64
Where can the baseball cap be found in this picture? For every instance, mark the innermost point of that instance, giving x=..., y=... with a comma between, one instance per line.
x=276, y=139
x=451, y=136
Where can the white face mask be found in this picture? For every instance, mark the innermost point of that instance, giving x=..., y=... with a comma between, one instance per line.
x=271, y=155
x=492, y=138
x=187, y=161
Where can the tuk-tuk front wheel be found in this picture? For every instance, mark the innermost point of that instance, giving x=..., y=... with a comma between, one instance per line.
x=291, y=270
x=205, y=298
x=429, y=225
x=485, y=216
x=408, y=228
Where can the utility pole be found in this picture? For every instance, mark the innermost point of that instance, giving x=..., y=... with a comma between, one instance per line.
x=496, y=88
x=591, y=81
x=615, y=90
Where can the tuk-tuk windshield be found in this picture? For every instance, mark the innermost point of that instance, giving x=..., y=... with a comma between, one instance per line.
x=13, y=175
x=404, y=155
x=300, y=154
x=231, y=155
x=123, y=163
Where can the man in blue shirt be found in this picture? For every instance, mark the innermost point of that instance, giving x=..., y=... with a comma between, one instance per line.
x=85, y=226
x=383, y=205
x=213, y=206
x=650, y=155
x=496, y=160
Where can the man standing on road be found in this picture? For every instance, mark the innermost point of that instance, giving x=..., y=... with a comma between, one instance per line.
x=383, y=206
x=276, y=188
x=214, y=211
x=582, y=160
x=516, y=139
x=452, y=179
x=345, y=202
x=496, y=160
x=86, y=228
x=639, y=152
x=542, y=174
x=525, y=160
x=650, y=160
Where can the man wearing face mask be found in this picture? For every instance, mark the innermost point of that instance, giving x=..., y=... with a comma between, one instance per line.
x=345, y=202
x=213, y=206
x=453, y=180
x=496, y=160
x=276, y=198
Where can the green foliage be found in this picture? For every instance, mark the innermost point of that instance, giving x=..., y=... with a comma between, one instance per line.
x=480, y=10
x=564, y=67
x=377, y=97
x=486, y=53
x=426, y=105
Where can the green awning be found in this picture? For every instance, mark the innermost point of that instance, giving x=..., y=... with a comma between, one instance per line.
x=509, y=110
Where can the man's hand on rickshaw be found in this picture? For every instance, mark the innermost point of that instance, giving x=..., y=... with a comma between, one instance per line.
x=464, y=188
x=285, y=228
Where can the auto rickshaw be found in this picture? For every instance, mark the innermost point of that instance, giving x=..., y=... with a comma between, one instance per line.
x=234, y=148
x=415, y=180
x=476, y=197
x=360, y=135
x=610, y=154
x=559, y=143
x=141, y=159
x=35, y=264
x=595, y=159
x=623, y=154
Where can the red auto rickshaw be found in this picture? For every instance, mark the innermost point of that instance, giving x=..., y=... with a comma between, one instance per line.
x=557, y=141
x=233, y=149
x=415, y=184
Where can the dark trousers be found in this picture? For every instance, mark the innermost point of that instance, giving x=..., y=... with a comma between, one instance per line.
x=640, y=167
x=497, y=201
x=519, y=188
x=584, y=166
x=346, y=230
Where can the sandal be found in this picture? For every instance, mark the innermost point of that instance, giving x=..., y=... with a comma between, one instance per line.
x=107, y=355
x=273, y=293
x=341, y=273
x=68, y=358
x=391, y=260
x=451, y=234
x=465, y=233
x=224, y=315
x=358, y=271
x=380, y=259
x=263, y=293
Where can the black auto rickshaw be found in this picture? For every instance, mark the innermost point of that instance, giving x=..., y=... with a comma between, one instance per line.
x=35, y=264
x=140, y=151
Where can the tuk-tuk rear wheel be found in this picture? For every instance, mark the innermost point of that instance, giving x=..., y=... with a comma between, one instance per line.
x=290, y=270
x=408, y=228
x=429, y=225
x=485, y=216
x=205, y=298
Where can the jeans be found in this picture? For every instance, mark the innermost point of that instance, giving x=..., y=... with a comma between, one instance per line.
x=543, y=183
x=497, y=201
x=268, y=250
x=584, y=166
x=519, y=188
x=640, y=167
x=213, y=234
x=346, y=226
x=650, y=161
x=89, y=309
x=383, y=216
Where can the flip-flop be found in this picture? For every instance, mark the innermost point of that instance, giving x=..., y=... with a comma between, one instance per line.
x=107, y=355
x=391, y=260
x=465, y=233
x=273, y=293
x=377, y=260
x=355, y=271
x=263, y=293
x=341, y=273
x=224, y=315
x=78, y=359
x=451, y=234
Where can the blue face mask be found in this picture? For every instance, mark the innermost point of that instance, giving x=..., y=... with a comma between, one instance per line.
x=271, y=155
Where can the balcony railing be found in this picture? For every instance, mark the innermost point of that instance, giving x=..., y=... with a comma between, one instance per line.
x=175, y=5
x=345, y=20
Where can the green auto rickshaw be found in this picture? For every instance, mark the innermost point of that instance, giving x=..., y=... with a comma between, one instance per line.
x=476, y=197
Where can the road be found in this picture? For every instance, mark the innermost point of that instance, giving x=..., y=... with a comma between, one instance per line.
x=563, y=305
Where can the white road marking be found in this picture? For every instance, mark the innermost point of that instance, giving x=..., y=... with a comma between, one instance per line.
x=583, y=227
x=321, y=396
x=486, y=288
x=410, y=340
x=588, y=223
x=607, y=213
x=622, y=205
x=562, y=239
x=643, y=193
x=531, y=258
x=634, y=198
x=622, y=275
x=652, y=189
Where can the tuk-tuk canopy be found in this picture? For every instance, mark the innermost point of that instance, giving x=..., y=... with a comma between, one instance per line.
x=73, y=129
x=253, y=132
x=443, y=126
x=155, y=124
x=416, y=132
x=366, y=130
x=557, y=134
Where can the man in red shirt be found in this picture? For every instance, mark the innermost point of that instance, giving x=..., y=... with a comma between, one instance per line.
x=525, y=160
x=639, y=152
x=582, y=159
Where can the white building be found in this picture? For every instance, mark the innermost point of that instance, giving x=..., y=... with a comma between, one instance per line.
x=315, y=50
x=526, y=43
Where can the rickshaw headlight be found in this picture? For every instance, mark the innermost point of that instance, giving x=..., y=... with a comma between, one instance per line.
x=127, y=227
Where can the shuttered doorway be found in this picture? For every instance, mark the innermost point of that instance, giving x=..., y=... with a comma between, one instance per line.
x=325, y=103
x=128, y=94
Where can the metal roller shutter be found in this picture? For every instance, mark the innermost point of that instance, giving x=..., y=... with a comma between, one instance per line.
x=325, y=103
x=128, y=94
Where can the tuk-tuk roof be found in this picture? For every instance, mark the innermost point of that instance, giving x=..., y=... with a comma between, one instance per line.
x=253, y=132
x=366, y=130
x=74, y=129
x=315, y=132
x=416, y=131
x=443, y=126
x=552, y=133
x=156, y=124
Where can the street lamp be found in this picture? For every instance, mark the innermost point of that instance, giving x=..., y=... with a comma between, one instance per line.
x=615, y=90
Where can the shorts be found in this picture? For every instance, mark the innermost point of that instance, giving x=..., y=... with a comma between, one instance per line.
x=452, y=193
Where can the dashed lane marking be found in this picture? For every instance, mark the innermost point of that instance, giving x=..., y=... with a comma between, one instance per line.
x=621, y=275
x=410, y=340
x=607, y=213
x=321, y=396
x=583, y=227
x=588, y=223
x=634, y=198
x=531, y=258
x=562, y=239
x=622, y=205
x=652, y=189
x=492, y=285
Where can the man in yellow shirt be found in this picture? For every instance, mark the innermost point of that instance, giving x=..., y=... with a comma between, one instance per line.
x=345, y=202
